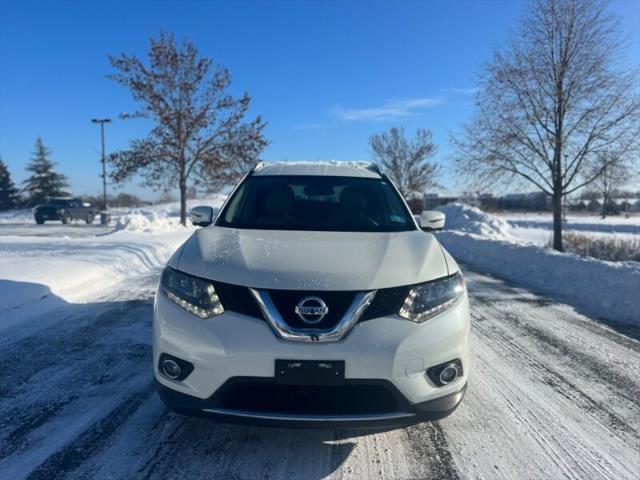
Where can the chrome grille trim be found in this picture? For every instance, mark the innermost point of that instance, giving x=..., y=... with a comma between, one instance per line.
x=360, y=302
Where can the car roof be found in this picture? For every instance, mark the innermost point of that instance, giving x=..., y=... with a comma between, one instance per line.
x=318, y=168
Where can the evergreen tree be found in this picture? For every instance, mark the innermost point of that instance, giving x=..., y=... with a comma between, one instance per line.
x=9, y=196
x=43, y=182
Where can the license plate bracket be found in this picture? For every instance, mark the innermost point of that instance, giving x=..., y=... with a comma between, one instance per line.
x=309, y=372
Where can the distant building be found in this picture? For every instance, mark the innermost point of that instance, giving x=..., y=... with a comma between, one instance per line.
x=438, y=199
x=485, y=201
x=531, y=201
x=527, y=202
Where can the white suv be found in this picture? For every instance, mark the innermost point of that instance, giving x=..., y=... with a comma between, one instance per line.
x=313, y=299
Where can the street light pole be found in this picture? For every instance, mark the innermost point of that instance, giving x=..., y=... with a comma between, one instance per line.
x=102, y=121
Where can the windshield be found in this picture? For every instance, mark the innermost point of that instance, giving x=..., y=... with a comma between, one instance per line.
x=321, y=203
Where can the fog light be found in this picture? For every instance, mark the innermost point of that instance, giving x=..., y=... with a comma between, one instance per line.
x=448, y=374
x=171, y=369
x=445, y=373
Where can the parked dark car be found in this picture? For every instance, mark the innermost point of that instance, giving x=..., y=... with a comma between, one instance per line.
x=65, y=210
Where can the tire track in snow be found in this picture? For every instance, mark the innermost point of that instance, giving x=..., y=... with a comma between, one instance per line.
x=559, y=382
x=432, y=457
x=71, y=456
x=523, y=416
x=27, y=421
x=551, y=372
x=518, y=370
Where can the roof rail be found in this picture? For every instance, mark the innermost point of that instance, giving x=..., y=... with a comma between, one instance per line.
x=257, y=166
x=375, y=168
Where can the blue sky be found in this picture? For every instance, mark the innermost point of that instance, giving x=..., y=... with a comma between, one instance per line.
x=324, y=75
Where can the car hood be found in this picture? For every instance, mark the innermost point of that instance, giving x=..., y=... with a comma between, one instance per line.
x=297, y=260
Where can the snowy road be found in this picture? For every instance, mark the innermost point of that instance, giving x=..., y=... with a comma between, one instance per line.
x=74, y=230
x=552, y=395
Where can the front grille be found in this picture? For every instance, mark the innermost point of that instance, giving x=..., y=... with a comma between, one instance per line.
x=286, y=300
x=356, y=397
x=386, y=302
x=237, y=299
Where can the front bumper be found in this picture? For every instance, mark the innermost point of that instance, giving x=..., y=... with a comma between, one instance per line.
x=391, y=350
x=407, y=414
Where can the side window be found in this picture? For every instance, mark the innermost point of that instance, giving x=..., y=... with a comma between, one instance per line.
x=234, y=205
x=393, y=204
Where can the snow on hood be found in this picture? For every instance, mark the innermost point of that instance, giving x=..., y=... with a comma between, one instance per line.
x=312, y=260
x=468, y=219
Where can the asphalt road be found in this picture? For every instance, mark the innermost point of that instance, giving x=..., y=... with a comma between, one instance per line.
x=552, y=394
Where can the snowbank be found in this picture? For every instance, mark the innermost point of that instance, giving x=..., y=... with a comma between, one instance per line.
x=605, y=289
x=38, y=272
x=147, y=221
x=19, y=215
x=465, y=218
x=45, y=267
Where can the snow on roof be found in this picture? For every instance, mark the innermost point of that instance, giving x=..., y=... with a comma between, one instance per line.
x=324, y=167
x=622, y=201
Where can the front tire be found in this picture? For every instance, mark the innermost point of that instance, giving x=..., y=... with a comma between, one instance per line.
x=89, y=218
x=39, y=220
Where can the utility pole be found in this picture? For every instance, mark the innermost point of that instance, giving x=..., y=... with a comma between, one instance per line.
x=102, y=121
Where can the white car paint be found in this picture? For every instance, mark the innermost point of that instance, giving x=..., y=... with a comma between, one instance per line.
x=303, y=260
x=388, y=348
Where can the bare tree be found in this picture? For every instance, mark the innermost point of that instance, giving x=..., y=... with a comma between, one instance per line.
x=552, y=99
x=199, y=137
x=614, y=173
x=406, y=161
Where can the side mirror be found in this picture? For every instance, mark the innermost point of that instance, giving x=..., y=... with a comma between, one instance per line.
x=202, y=216
x=431, y=220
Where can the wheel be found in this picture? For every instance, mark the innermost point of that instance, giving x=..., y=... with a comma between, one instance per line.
x=39, y=220
x=66, y=218
x=89, y=218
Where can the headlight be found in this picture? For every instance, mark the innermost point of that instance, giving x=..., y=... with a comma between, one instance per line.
x=431, y=298
x=194, y=294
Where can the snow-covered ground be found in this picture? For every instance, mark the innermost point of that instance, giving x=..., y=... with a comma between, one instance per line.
x=536, y=228
x=45, y=262
x=602, y=289
x=553, y=392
